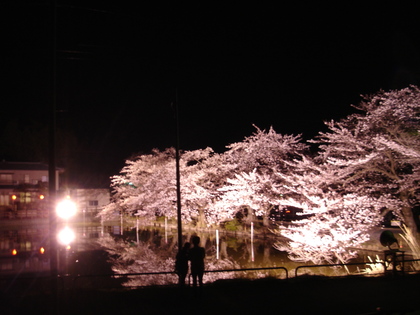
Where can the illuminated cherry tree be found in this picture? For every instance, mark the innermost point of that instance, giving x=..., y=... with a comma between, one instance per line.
x=367, y=164
x=377, y=153
x=258, y=192
x=334, y=220
x=253, y=182
x=146, y=186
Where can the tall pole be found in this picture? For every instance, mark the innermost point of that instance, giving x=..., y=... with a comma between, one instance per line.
x=178, y=176
x=52, y=168
x=51, y=162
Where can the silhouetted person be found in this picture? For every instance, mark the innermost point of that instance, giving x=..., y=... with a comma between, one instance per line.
x=181, y=263
x=197, y=255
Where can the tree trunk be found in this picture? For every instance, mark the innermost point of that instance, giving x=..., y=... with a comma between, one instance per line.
x=266, y=256
x=223, y=249
x=266, y=216
x=201, y=223
x=249, y=218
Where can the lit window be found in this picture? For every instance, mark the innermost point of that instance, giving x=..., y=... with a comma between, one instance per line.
x=6, y=178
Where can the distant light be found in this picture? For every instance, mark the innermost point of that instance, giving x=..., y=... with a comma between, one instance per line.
x=14, y=252
x=66, y=209
x=14, y=197
x=42, y=250
x=66, y=236
x=42, y=197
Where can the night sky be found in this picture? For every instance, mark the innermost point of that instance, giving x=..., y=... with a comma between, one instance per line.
x=120, y=67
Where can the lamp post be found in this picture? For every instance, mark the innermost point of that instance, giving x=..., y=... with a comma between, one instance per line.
x=178, y=176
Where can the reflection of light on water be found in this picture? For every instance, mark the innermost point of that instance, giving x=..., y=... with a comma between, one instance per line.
x=217, y=245
x=166, y=230
x=252, y=242
x=240, y=250
x=66, y=236
x=32, y=246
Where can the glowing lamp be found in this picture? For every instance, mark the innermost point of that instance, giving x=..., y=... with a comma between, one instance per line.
x=14, y=252
x=66, y=209
x=42, y=250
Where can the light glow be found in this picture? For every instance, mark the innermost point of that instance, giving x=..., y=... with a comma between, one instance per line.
x=66, y=209
x=66, y=236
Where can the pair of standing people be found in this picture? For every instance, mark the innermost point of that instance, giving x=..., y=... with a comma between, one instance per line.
x=196, y=256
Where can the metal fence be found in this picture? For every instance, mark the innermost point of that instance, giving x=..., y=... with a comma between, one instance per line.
x=388, y=268
x=112, y=280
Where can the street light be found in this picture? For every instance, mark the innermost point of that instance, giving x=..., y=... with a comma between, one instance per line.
x=66, y=209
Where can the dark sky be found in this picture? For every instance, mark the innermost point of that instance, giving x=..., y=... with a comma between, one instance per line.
x=119, y=68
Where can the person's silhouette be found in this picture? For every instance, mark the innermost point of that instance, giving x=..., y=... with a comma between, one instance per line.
x=181, y=263
x=197, y=255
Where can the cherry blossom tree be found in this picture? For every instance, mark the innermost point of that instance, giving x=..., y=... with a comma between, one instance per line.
x=252, y=182
x=334, y=221
x=146, y=186
x=367, y=164
x=258, y=192
x=202, y=172
x=377, y=153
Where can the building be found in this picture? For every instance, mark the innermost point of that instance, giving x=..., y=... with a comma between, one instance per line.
x=89, y=202
x=24, y=216
x=24, y=189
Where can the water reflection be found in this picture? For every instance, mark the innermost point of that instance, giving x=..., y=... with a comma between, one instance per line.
x=223, y=250
x=243, y=250
x=26, y=249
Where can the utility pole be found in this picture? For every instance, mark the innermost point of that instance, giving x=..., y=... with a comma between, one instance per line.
x=52, y=166
x=178, y=175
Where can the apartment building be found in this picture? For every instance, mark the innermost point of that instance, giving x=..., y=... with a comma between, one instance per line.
x=24, y=189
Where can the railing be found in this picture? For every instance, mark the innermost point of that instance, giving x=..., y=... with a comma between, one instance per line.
x=385, y=265
x=338, y=265
x=401, y=265
x=250, y=269
x=75, y=279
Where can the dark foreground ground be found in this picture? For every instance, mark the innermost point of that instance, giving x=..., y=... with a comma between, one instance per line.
x=303, y=295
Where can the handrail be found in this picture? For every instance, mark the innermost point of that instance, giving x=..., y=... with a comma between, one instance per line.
x=115, y=275
x=341, y=265
x=384, y=263
x=172, y=272
x=251, y=269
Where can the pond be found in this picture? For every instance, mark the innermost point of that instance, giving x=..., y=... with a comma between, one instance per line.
x=223, y=250
x=226, y=250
